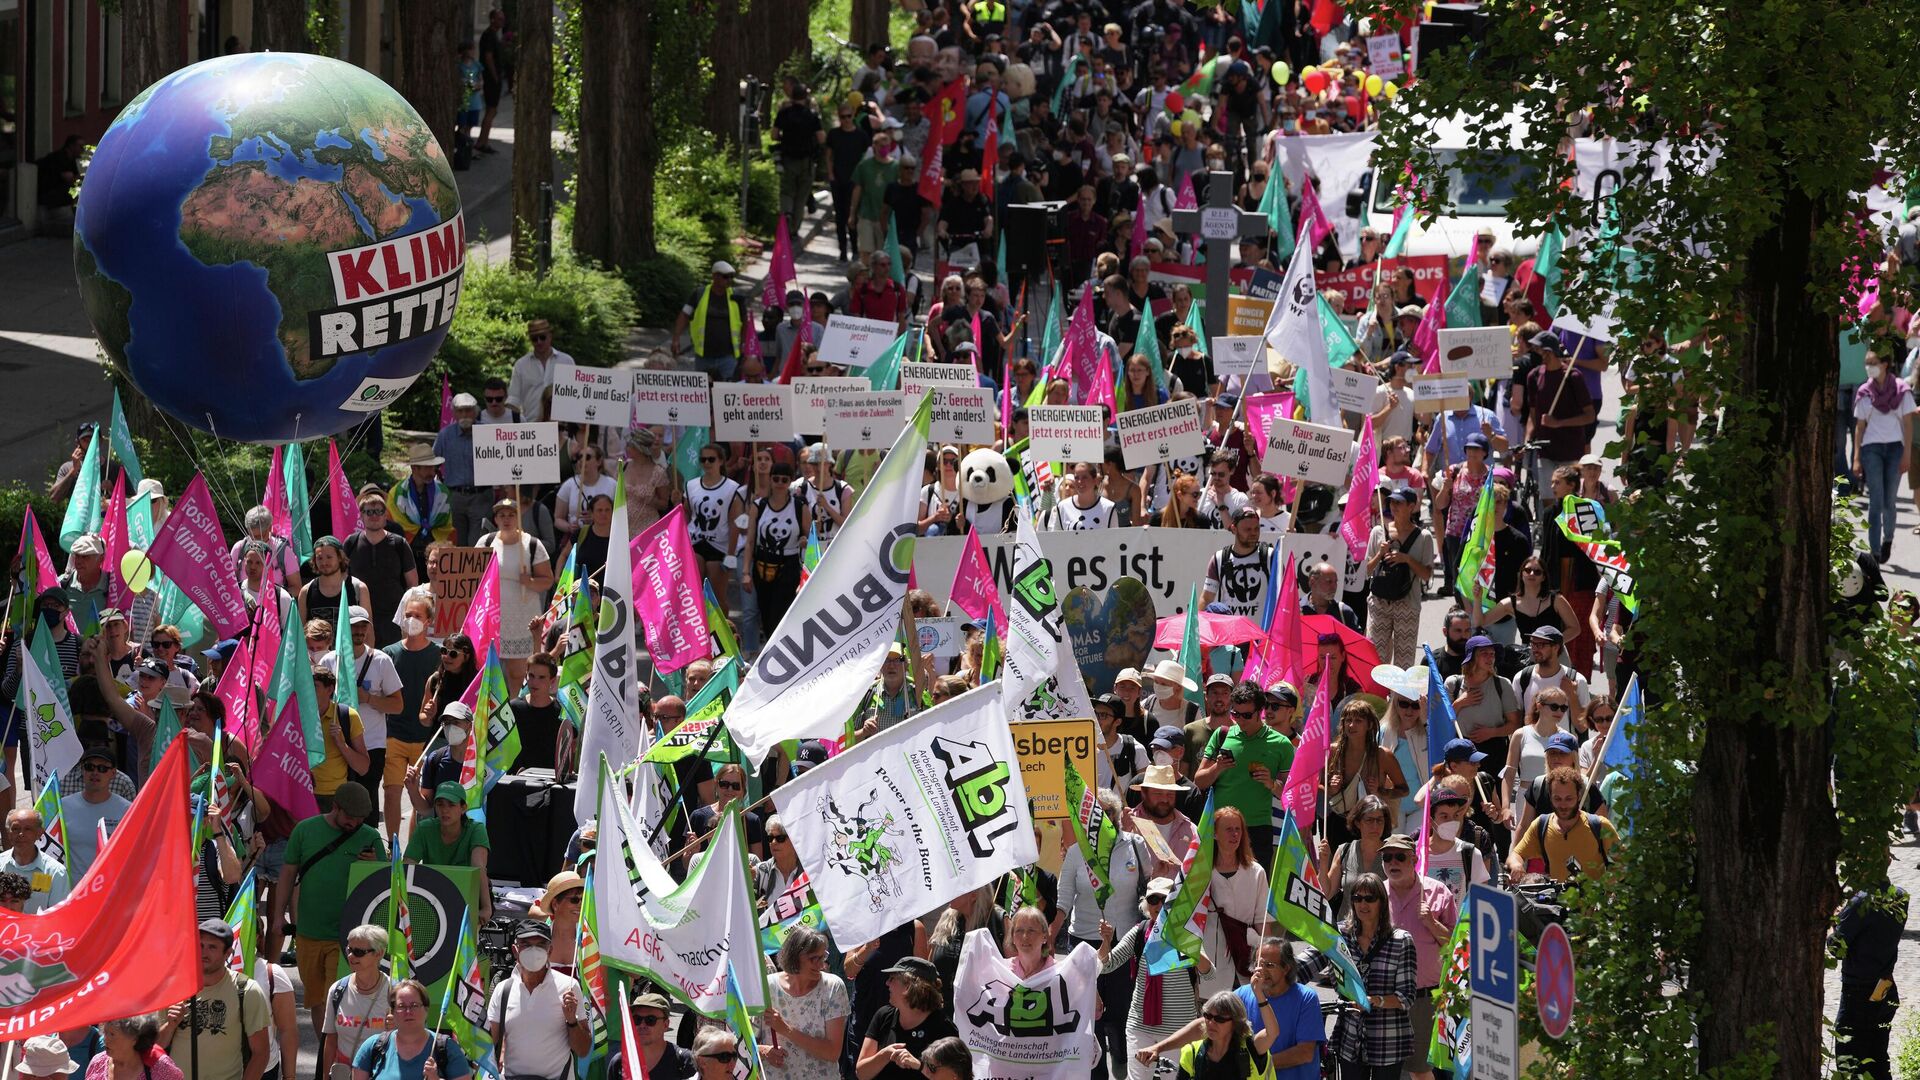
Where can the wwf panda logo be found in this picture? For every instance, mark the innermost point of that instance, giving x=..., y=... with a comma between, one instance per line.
x=753, y=430
x=1241, y=581
x=866, y=433
x=1165, y=450
x=517, y=470
x=776, y=533
x=673, y=413
x=592, y=411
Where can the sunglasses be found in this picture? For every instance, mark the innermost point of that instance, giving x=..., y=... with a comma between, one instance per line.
x=572, y=897
x=491, y=400
x=1366, y=898
x=357, y=952
x=1602, y=719
x=727, y=785
x=1393, y=856
x=538, y=337
x=705, y=460
x=648, y=1021
x=373, y=511
x=95, y=767
x=1553, y=708
x=724, y=1057
x=1218, y=1018
x=777, y=837
x=1245, y=714
x=1398, y=704
x=165, y=644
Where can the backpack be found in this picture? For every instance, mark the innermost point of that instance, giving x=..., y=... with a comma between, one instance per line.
x=1394, y=582
x=1539, y=829
x=384, y=1041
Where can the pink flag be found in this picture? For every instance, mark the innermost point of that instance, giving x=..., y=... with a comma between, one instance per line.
x=1081, y=344
x=1356, y=523
x=780, y=270
x=979, y=342
x=346, y=509
x=236, y=693
x=672, y=615
x=973, y=588
x=190, y=550
x=1101, y=392
x=1426, y=339
x=30, y=534
x=1274, y=660
x=1138, y=243
x=1262, y=409
x=1302, y=793
x=446, y=401
x=750, y=344
x=276, y=499
x=1312, y=215
x=280, y=770
x=1183, y=197
x=483, y=622
x=113, y=532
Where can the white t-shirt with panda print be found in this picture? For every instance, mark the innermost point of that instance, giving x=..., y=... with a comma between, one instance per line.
x=707, y=510
x=1069, y=517
x=1242, y=583
x=777, y=532
x=839, y=497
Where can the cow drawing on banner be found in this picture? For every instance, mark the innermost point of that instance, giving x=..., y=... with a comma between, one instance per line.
x=860, y=851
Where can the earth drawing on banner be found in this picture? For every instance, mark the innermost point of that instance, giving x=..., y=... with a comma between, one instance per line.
x=270, y=245
x=1110, y=632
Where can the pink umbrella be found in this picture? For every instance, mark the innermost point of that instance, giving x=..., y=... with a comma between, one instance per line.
x=1215, y=631
x=1362, y=656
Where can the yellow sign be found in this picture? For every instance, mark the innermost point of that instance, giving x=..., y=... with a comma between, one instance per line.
x=1247, y=316
x=1044, y=747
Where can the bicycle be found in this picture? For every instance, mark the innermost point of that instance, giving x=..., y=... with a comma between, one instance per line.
x=1526, y=474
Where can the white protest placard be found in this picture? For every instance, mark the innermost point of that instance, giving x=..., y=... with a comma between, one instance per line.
x=1383, y=56
x=917, y=379
x=1161, y=433
x=670, y=397
x=864, y=420
x=1353, y=389
x=1478, y=352
x=516, y=453
x=855, y=343
x=752, y=412
x=1068, y=432
x=1315, y=453
x=1235, y=356
x=962, y=415
x=586, y=395
x=1309, y=550
x=940, y=638
x=810, y=400
x=1438, y=393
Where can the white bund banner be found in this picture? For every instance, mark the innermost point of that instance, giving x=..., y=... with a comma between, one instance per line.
x=911, y=818
x=612, y=726
x=1035, y=1028
x=683, y=939
x=1042, y=678
x=50, y=727
x=823, y=657
x=1337, y=163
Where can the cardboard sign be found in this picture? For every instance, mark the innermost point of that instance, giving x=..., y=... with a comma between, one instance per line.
x=1045, y=746
x=1316, y=453
x=1247, y=315
x=856, y=342
x=940, y=638
x=1438, y=393
x=516, y=454
x=1068, y=432
x=1235, y=356
x=962, y=415
x=1478, y=352
x=670, y=397
x=586, y=395
x=455, y=576
x=810, y=400
x=1353, y=389
x=1161, y=433
x=863, y=420
x=1383, y=56
x=752, y=412
x=917, y=379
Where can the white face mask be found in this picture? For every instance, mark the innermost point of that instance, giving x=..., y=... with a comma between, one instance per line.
x=1874, y=371
x=793, y=312
x=1448, y=830
x=1163, y=757
x=314, y=655
x=413, y=627
x=455, y=734
x=533, y=958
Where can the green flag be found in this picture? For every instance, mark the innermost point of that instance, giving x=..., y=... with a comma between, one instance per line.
x=1279, y=211
x=1150, y=348
x=718, y=626
x=399, y=914
x=85, y=511
x=1299, y=903
x=686, y=451
x=1475, y=582
x=1196, y=318
x=122, y=441
x=166, y=728
x=1463, y=303
x=244, y=916
x=292, y=678
x=1190, y=644
x=346, y=670
x=1450, y=1032
x=1176, y=938
x=1397, y=243
x=1093, y=830
x=884, y=372
x=293, y=471
x=1340, y=343
x=897, y=271
x=1546, y=265
x=702, y=731
x=463, y=1011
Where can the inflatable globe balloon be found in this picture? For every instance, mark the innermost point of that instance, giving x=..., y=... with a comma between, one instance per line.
x=270, y=245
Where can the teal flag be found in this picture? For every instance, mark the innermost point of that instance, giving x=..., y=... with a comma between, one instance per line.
x=1279, y=211
x=293, y=471
x=1463, y=303
x=346, y=681
x=85, y=510
x=1190, y=644
x=122, y=441
x=1056, y=320
x=1546, y=265
x=1340, y=343
x=1197, y=319
x=293, y=680
x=686, y=451
x=897, y=271
x=1397, y=243
x=884, y=372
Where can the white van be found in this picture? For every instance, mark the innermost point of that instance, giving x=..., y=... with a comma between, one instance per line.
x=1475, y=202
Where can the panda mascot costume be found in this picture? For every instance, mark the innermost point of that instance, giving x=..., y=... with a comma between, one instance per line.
x=986, y=492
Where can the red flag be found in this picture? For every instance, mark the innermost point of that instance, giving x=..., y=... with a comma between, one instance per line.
x=124, y=942
x=933, y=173
x=1325, y=14
x=793, y=367
x=346, y=509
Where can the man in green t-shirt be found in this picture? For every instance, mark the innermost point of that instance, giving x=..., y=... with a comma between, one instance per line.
x=453, y=839
x=870, y=180
x=1246, y=766
x=320, y=854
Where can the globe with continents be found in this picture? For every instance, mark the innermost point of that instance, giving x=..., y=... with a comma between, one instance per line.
x=270, y=245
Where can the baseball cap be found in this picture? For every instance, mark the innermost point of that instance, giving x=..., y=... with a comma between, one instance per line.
x=1220, y=678
x=1478, y=641
x=217, y=928
x=1161, y=887
x=457, y=710
x=1477, y=441
x=88, y=544
x=1397, y=842
x=1545, y=633
x=1244, y=513
x=1441, y=796
x=651, y=1000
x=1409, y=311
x=358, y=614
x=156, y=668
x=97, y=751
x=1591, y=459
x=1563, y=743
x=1127, y=675
x=1464, y=750
x=1404, y=495
x=465, y=401
x=451, y=791
x=1167, y=738
x=1547, y=339
x=724, y=269
x=1282, y=694
x=532, y=928
x=916, y=966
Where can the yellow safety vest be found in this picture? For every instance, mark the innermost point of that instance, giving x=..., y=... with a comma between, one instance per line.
x=699, y=324
x=1259, y=1066
x=989, y=11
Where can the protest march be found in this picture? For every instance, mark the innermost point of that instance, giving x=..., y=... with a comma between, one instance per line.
x=1132, y=577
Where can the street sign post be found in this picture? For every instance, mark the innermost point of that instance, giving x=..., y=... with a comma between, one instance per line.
x=1494, y=977
x=1553, y=981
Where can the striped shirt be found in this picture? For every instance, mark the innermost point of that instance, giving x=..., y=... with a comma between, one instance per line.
x=1178, y=1005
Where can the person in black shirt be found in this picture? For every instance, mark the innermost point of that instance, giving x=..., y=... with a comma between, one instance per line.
x=867, y=977
x=846, y=143
x=660, y=1059
x=908, y=1024
x=798, y=136
x=729, y=786
x=536, y=715
x=59, y=172
x=909, y=209
x=967, y=216
x=1869, y=929
x=1123, y=320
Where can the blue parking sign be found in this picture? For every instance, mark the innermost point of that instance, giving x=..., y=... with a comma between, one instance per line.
x=1495, y=970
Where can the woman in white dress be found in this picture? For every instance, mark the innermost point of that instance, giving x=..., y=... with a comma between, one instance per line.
x=525, y=575
x=806, y=1019
x=1238, y=892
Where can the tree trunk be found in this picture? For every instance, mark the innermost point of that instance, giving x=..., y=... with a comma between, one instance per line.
x=280, y=26
x=155, y=43
x=1763, y=818
x=869, y=23
x=613, y=201
x=532, y=127
x=428, y=75
x=754, y=43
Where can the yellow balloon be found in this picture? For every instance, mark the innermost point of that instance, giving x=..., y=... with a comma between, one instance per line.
x=1374, y=85
x=136, y=570
x=1390, y=91
x=1281, y=73
x=1308, y=70
x=855, y=99
x=1174, y=128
